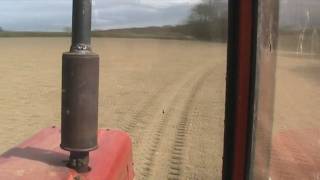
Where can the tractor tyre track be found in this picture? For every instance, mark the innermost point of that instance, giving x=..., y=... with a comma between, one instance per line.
x=147, y=115
x=151, y=145
x=177, y=150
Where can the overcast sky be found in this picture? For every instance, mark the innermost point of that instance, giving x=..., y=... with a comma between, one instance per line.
x=56, y=14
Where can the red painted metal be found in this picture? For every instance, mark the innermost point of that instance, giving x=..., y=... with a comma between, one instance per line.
x=295, y=155
x=243, y=87
x=40, y=157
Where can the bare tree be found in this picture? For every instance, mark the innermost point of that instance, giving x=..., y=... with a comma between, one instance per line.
x=208, y=20
x=204, y=12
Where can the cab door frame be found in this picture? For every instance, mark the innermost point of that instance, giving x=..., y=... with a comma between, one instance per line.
x=252, y=43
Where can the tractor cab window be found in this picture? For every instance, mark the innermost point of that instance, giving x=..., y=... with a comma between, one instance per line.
x=162, y=77
x=287, y=148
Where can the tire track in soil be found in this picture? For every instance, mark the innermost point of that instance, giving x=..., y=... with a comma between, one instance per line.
x=150, y=149
x=137, y=118
x=146, y=114
x=139, y=115
x=177, y=151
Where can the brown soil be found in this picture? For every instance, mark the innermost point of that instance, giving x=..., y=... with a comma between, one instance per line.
x=169, y=95
x=297, y=98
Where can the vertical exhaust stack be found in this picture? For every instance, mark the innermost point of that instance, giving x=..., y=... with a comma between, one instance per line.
x=80, y=84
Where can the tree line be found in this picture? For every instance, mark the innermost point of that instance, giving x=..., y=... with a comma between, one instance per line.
x=208, y=21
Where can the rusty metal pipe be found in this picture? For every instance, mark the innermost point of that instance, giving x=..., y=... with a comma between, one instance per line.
x=80, y=84
x=81, y=25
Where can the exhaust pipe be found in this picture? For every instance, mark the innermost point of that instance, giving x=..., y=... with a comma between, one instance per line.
x=80, y=84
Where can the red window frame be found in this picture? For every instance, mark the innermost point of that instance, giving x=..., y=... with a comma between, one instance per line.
x=250, y=24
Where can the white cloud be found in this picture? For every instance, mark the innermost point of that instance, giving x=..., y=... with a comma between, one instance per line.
x=56, y=14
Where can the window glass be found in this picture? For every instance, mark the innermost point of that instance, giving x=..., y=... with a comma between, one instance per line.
x=297, y=101
x=287, y=148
